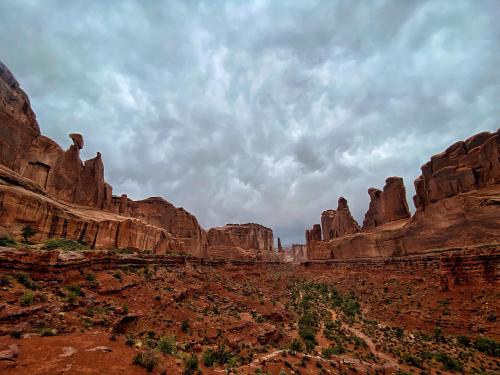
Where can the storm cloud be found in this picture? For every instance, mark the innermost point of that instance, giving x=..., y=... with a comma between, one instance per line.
x=258, y=111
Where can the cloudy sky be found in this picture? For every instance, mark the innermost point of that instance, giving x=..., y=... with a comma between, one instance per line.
x=258, y=111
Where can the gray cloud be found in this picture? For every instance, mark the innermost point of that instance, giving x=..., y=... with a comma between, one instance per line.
x=262, y=111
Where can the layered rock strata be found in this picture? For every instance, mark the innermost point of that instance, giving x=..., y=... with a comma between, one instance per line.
x=56, y=193
x=457, y=200
x=241, y=241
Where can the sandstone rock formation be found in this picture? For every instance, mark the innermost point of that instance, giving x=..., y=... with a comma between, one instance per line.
x=313, y=234
x=339, y=222
x=241, y=241
x=280, y=247
x=59, y=195
x=299, y=252
x=458, y=205
x=387, y=205
x=462, y=167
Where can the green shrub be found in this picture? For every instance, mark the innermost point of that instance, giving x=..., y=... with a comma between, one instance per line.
x=488, y=346
x=27, y=232
x=63, y=244
x=338, y=350
x=449, y=363
x=26, y=281
x=167, y=345
x=75, y=288
x=209, y=357
x=191, y=364
x=8, y=242
x=118, y=275
x=185, y=326
x=464, y=341
x=295, y=346
x=146, y=359
x=412, y=360
x=27, y=298
x=307, y=330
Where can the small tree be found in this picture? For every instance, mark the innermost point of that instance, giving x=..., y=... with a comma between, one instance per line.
x=27, y=232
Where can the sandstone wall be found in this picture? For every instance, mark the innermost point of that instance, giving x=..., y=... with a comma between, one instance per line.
x=457, y=200
x=241, y=241
x=60, y=195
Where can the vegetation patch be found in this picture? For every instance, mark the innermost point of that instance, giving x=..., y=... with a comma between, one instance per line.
x=63, y=244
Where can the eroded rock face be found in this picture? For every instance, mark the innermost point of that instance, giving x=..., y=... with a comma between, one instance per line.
x=462, y=167
x=60, y=195
x=339, y=222
x=387, y=205
x=18, y=125
x=457, y=200
x=157, y=212
x=241, y=241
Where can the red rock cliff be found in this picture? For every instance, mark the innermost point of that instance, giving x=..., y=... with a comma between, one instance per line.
x=60, y=195
x=457, y=200
x=241, y=241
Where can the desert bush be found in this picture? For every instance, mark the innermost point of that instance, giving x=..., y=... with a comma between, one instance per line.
x=488, y=346
x=146, y=359
x=464, y=341
x=63, y=244
x=412, y=360
x=129, y=340
x=295, y=346
x=209, y=357
x=191, y=365
x=167, y=345
x=26, y=281
x=27, y=298
x=8, y=242
x=27, y=232
x=449, y=363
x=185, y=326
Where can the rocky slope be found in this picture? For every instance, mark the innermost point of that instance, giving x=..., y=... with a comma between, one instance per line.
x=56, y=193
x=458, y=204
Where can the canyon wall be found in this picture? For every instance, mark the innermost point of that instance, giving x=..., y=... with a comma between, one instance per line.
x=55, y=192
x=241, y=241
x=457, y=200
